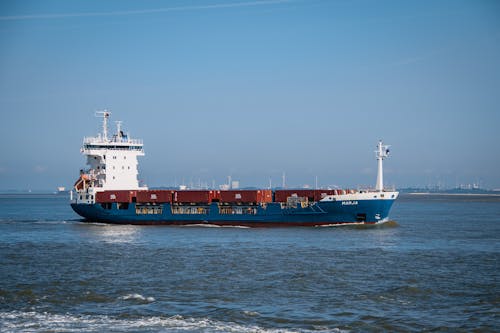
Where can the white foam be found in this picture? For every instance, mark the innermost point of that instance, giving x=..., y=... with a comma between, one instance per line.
x=50, y=222
x=200, y=225
x=384, y=220
x=340, y=224
x=208, y=225
x=236, y=226
x=17, y=321
x=102, y=224
x=137, y=297
x=251, y=313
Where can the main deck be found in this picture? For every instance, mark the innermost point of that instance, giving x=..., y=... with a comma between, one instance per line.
x=366, y=207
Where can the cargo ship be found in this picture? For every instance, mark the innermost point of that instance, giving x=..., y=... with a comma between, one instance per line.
x=108, y=191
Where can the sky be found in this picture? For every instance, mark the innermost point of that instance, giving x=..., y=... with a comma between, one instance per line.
x=252, y=89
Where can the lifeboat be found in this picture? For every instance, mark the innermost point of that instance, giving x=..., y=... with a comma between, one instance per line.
x=81, y=182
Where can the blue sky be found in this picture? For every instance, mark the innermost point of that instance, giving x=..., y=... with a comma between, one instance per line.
x=254, y=88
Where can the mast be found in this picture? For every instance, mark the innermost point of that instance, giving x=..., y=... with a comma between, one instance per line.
x=105, y=115
x=119, y=128
x=381, y=153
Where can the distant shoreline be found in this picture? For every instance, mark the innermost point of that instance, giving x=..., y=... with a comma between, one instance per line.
x=454, y=194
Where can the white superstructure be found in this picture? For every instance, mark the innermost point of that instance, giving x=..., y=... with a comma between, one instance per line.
x=112, y=162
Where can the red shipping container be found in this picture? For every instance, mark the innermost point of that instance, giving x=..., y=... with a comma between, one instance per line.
x=265, y=196
x=231, y=196
x=192, y=196
x=247, y=196
x=282, y=195
x=114, y=196
x=154, y=196
x=214, y=196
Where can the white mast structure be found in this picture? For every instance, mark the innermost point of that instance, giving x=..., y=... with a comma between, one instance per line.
x=105, y=115
x=381, y=153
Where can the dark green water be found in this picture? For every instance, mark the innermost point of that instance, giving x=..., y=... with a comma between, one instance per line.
x=436, y=268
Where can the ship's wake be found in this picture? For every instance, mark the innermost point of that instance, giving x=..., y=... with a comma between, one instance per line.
x=363, y=225
x=379, y=225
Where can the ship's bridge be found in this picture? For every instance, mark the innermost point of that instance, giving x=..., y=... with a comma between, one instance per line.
x=115, y=143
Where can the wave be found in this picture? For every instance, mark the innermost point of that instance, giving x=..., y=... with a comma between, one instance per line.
x=137, y=297
x=36, y=221
x=198, y=225
x=17, y=321
x=208, y=225
x=86, y=223
x=382, y=223
x=51, y=222
x=388, y=223
x=340, y=224
x=251, y=313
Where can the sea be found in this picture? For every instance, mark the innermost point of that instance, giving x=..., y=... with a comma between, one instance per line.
x=434, y=267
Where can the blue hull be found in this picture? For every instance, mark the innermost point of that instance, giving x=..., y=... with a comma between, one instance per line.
x=272, y=214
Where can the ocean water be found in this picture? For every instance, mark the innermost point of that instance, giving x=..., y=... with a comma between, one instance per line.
x=435, y=268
